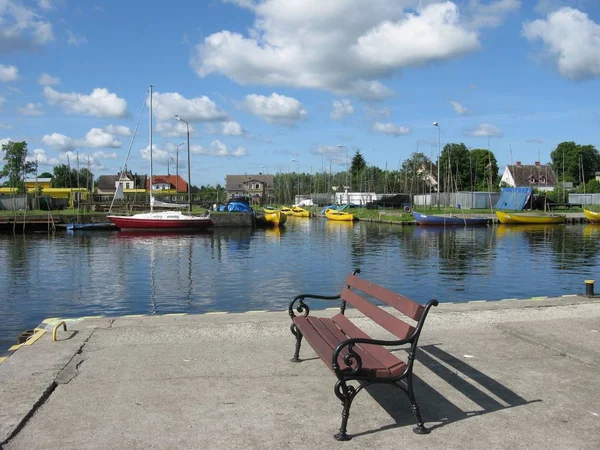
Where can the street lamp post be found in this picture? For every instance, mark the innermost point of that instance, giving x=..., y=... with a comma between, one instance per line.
x=177, y=168
x=187, y=128
x=435, y=124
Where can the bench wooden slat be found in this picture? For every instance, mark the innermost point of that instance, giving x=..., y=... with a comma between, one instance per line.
x=403, y=304
x=395, y=365
x=391, y=323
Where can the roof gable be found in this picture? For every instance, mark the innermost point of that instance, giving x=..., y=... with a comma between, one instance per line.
x=533, y=175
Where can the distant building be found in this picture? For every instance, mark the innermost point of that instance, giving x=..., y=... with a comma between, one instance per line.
x=168, y=183
x=260, y=188
x=107, y=184
x=537, y=176
x=31, y=183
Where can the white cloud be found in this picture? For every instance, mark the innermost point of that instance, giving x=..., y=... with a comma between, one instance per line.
x=332, y=152
x=341, y=109
x=4, y=141
x=571, y=39
x=219, y=149
x=22, y=28
x=231, y=128
x=59, y=141
x=97, y=137
x=120, y=130
x=105, y=155
x=485, y=129
x=31, y=109
x=390, y=128
x=276, y=108
x=199, y=109
x=173, y=129
x=159, y=156
x=340, y=45
x=46, y=5
x=39, y=155
x=6, y=126
x=377, y=112
x=75, y=40
x=8, y=73
x=460, y=109
x=100, y=103
x=48, y=80
x=491, y=14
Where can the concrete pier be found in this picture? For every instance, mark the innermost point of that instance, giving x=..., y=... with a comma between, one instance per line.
x=519, y=374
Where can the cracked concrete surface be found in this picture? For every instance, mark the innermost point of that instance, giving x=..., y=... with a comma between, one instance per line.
x=505, y=374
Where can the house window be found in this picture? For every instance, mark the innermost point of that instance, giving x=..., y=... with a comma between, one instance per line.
x=126, y=185
x=543, y=179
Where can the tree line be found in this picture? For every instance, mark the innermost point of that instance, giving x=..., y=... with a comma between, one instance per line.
x=457, y=169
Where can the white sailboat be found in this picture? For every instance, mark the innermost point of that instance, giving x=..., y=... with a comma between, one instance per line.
x=161, y=220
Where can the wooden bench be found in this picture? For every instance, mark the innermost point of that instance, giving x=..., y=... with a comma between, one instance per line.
x=353, y=355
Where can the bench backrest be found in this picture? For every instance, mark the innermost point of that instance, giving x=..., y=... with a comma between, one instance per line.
x=371, y=291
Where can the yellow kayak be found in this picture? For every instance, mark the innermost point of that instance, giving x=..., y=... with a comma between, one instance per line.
x=592, y=216
x=300, y=212
x=287, y=211
x=332, y=214
x=520, y=218
x=274, y=216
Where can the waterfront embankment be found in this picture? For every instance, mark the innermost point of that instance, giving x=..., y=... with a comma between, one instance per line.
x=506, y=374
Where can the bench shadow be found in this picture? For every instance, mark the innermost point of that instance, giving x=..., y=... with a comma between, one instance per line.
x=436, y=409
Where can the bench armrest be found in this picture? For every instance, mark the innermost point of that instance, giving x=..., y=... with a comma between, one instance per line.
x=302, y=307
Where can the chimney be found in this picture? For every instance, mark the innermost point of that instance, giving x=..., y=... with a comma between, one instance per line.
x=537, y=163
x=518, y=163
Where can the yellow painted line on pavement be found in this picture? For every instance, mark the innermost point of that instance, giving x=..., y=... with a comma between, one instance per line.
x=2, y=359
x=49, y=319
x=508, y=299
x=477, y=301
x=34, y=337
x=539, y=298
x=14, y=347
x=134, y=315
x=333, y=309
x=216, y=313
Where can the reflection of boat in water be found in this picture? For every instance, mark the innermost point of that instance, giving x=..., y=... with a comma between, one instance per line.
x=167, y=234
x=433, y=220
x=340, y=216
x=591, y=231
x=592, y=216
x=505, y=230
x=273, y=234
x=522, y=218
x=91, y=226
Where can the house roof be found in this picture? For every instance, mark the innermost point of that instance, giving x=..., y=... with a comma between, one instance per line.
x=171, y=180
x=237, y=182
x=108, y=182
x=532, y=175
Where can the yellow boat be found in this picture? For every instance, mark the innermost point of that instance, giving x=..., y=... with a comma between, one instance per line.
x=592, y=216
x=287, y=211
x=332, y=214
x=300, y=212
x=274, y=216
x=520, y=218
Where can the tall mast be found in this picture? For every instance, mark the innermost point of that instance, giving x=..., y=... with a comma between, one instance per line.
x=150, y=139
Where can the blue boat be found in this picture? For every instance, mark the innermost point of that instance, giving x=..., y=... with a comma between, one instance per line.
x=91, y=226
x=424, y=219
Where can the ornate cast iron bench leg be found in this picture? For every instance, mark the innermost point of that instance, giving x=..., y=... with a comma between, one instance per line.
x=346, y=394
x=420, y=428
x=296, y=332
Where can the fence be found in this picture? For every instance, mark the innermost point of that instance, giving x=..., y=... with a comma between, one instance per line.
x=585, y=199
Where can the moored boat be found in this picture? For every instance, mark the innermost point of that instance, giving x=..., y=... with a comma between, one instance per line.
x=592, y=216
x=522, y=218
x=300, y=212
x=274, y=216
x=332, y=214
x=425, y=219
x=287, y=211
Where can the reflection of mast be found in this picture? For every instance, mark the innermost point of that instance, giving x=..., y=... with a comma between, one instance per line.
x=152, y=284
x=189, y=293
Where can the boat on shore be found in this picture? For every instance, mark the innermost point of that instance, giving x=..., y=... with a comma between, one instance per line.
x=592, y=216
x=524, y=218
x=274, y=216
x=161, y=220
x=333, y=214
x=425, y=219
x=300, y=212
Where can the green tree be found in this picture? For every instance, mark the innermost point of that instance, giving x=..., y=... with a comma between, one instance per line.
x=16, y=166
x=356, y=169
x=454, y=168
x=64, y=177
x=592, y=187
x=415, y=174
x=45, y=175
x=484, y=170
x=572, y=160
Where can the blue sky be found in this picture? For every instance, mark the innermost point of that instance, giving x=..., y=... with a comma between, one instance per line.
x=262, y=82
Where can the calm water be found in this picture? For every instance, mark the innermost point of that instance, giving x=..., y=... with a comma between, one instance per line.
x=114, y=273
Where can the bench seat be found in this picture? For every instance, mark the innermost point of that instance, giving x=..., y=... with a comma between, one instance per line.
x=324, y=335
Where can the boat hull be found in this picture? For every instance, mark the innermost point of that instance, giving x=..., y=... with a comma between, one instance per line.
x=274, y=217
x=339, y=215
x=300, y=212
x=517, y=219
x=424, y=219
x=592, y=216
x=161, y=221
